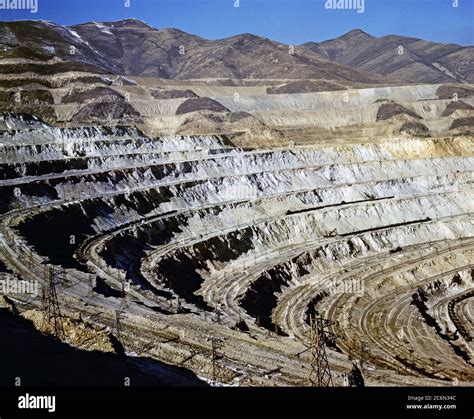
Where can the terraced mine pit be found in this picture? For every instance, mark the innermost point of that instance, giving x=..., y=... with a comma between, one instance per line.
x=193, y=238
x=190, y=205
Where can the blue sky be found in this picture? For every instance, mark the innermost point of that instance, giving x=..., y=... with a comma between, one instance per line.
x=289, y=21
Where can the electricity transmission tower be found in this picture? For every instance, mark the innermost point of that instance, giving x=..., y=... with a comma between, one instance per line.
x=320, y=372
x=118, y=327
x=217, y=373
x=52, y=318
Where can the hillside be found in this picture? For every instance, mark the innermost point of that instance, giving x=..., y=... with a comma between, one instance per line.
x=131, y=47
x=400, y=57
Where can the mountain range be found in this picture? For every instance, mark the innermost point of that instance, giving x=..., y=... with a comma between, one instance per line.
x=400, y=57
x=132, y=47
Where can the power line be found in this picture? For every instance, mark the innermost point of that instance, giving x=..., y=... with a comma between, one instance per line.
x=217, y=356
x=320, y=373
x=52, y=317
x=118, y=327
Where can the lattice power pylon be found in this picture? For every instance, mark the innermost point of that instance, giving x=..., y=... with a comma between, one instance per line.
x=52, y=318
x=320, y=372
x=217, y=370
x=118, y=326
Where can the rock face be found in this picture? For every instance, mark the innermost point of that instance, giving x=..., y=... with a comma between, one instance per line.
x=185, y=192
x=390, y=109
x=200, y=104
x=205, y=237
x=81, y=74
x=400, y=57
x=118, y=109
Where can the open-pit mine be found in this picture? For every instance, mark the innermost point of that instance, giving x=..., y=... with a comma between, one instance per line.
x=206, y=222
